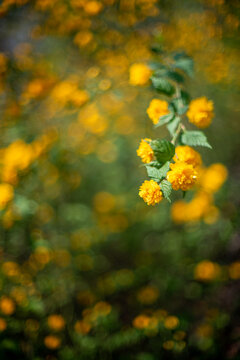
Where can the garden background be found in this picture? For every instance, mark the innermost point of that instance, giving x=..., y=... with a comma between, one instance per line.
x=88, y=270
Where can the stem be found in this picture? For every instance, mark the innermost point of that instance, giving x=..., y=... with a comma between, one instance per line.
x=180, y=128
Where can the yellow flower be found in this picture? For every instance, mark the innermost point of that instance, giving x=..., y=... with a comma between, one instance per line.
x=145, y=152
x=206, y=270
x=3, y=324
x=187, y=155
x=171, y=322
x=182, y=176
x=150, y=192
x=52, y=342
x=6, y=195
x=148, y=295
x=141, y=321
x=7, y=306
x=200, y=112
x=213, y=177
x=156, y=109
x=56, y=322
x=139, y=74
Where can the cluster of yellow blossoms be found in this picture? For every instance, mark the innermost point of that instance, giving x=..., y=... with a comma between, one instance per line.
x=185, y=168
x=202, y=206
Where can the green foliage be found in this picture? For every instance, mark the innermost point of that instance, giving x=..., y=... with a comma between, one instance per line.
x=158, y=174
x=163, y=150
x=194, y=138
x=162, y=85
x=166, y=188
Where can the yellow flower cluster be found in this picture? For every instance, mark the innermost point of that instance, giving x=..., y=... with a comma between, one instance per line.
x=139, y=74
x=188, y=155
x=200, y=112
x=202, y=206
x=156, y=109
x=182, y=176
x=150, y=192
x=145, y=152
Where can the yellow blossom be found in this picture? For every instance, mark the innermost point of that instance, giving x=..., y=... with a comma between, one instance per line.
x=6, y=195
x=150, y=192
x=182, y=176
x=171, y=322
x=200, y=112
x=148, y=295
x=156, y=109
x=145, y=152
x=213, y=177
x=187, y=155
x=206, y=270
x=141, y=322
x=7, y=306
x=139, y=74
x=3, y=324
x=52, y=342
x=56, y=322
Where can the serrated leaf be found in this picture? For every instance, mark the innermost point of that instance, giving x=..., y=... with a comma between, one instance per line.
x=172, y=125
x=165, y=119
x=163, y=150
x=158, y=174
x=153, y=173
x=185, y=63
x=174, y=75
x=166, y=188
x=163, y=85
x=186, y=98
x=195, y=138
x=164, y=169
x=153, y=163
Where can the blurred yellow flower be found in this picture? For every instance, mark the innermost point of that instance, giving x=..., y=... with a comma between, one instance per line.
x=145, y=152
x=148, y=295
x=104, y=202
x=171, y=322
x=139, y=74
x=200, y=112
x=187, y=155
x=3, y=324
x=56, y=322
x=182, y=176
x=234, y=270
x=141, y=322
x=206, y=270
x=82, y=327
x=156, y=109
x=52, y=342
x=213, y=177
x=7, y=306
x=6, y=195
x=150, y=192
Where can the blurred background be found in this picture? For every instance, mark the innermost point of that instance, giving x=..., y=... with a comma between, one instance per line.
x=88, y=270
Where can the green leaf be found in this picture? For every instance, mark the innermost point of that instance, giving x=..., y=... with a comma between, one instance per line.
x=153, y=173
x=186, y=98
x=165, y=119
x=166, y=188
x=184, y=63
x=175, y=76
x=163, y=150
x=164, y=169
x=195, y=138
x=158, y=174
x=163, y=85
x=172, y=125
